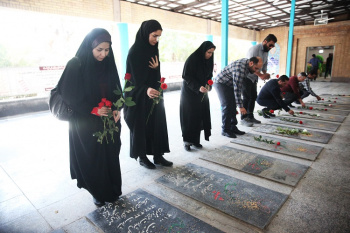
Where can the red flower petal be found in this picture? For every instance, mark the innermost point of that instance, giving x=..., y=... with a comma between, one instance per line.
x=301, y=112
x=101, y=104
x=335, y=101
x=325, y=109
x=311, y=108
x=210, y=82
x=163, y=86
x=162, y=80
x=278, y=143
x=271, y=111
x=127, y=76
x=283, y=93
x=322, y=99
x=103, y=100
x=277, y=76
x=300, y=122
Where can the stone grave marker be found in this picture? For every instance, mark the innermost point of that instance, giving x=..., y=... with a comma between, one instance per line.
x=280, y=145
x=246, y=201
x=279, y=170
x=303, y=134
x=140, y=211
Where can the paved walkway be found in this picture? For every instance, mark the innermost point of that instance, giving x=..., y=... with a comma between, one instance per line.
x=38, y=195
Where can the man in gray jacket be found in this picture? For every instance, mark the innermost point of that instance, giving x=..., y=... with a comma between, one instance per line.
x=250, y=82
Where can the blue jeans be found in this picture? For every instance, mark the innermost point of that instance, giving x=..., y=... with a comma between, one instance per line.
x=228, y=106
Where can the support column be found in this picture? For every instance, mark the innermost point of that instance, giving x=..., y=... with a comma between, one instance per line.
x=253, y=43
x=124, y=48
x=210, y=38
x=290, y=38
x=224, y=33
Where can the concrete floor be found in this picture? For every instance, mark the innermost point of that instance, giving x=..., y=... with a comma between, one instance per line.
x=38, y=195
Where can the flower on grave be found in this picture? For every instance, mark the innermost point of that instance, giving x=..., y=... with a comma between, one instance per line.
x=304, y=131
x=301, y=112
x=156, y=100
x=207, y=86
x=325, y=109
x=336, y=98
x=278, y=143
x=330, y=105
x=300, y=122
x=310, y=108
x=335, y=101
x=322, y=99
x=272, y=111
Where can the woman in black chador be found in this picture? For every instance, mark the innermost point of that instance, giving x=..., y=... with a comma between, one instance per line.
x=194, y=102
x=146, y=137
x=88, y=77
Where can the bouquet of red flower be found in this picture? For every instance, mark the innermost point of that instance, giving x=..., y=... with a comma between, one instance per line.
x=109, y=126
x=163, y=86
x=210, y=82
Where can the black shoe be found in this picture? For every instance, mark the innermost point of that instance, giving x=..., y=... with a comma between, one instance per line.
x=270, y=114
x=198, y=145
x=264, y=113
x=144, y=161
x=237, y=131
x=159, y=160
x=98, y=203
x=254, y=121
x=187, y=146
x=229, y=134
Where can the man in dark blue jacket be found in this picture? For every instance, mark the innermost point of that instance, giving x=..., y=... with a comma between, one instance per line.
x=270, y=96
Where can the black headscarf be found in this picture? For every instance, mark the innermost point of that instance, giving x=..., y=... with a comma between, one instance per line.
x=198, y=70
x=89, y=73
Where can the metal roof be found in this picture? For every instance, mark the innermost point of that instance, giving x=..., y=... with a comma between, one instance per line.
x=257, y=14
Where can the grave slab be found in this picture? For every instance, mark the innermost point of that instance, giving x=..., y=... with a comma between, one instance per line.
x=329, y=106
x=251, y=203
x=141, y=211
x=295, y=121
x=319, y=111
x=313, y=136
x=296, y=149
x=318, y=116
x=332, y=100
x=279, y=170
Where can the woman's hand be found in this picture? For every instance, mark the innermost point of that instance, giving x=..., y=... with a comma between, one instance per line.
x=154, y=63
x=116, y=115
x=152, y=93
x=203, y=89
x=103, y=111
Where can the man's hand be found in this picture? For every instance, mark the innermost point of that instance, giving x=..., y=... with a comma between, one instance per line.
x=302, y=103
x=318, y=98
x=243, y=111
x=291, y=112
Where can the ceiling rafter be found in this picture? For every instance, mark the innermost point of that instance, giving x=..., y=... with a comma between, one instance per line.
x=253, y=14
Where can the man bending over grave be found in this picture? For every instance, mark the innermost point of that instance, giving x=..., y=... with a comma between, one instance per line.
x=270, y=97
x=305, y=88
x=291, y=91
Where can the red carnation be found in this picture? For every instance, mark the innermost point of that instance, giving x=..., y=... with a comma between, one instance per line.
x=271, y=111
x=101, y=104
x=210, y=82
x=163, y=86
x=300, y=122
x=311, y=108
x=162, y=80
x=103, y=100
x=301, y=112
x=127, y=76
x=277, y=76
x=278, y=143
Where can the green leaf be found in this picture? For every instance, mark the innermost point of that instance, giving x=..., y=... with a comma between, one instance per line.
x=128, y=89
x=117, y=92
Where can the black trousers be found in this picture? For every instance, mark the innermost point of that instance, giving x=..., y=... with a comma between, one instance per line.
x=228, y=106
x=290, y=97
x=249, y=97
x=269, y=103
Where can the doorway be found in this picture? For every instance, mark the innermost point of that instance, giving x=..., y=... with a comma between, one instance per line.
x=325, y=55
